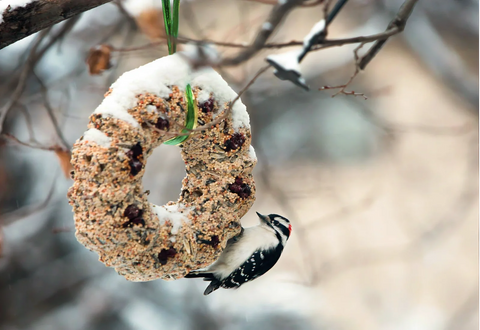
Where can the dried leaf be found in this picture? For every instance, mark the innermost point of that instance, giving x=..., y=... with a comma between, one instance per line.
x=64, y=157
x=99, y=59
x=151, y=23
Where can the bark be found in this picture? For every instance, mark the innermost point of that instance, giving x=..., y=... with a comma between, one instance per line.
x=38, y=15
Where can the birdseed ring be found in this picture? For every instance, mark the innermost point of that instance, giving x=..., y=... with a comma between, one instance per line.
x=144, y=108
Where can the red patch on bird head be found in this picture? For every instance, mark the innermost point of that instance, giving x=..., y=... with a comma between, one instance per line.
x=290, y=229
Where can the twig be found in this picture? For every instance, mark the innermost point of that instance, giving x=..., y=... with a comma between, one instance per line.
x=344, y=86
x=50, y=111
x=397, y=25
x=327, y=43
x=22, y=81
x=227, y=112
x=33, y=146
x=23, y=109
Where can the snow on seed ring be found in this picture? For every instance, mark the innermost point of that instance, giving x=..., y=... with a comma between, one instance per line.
x=143, y=109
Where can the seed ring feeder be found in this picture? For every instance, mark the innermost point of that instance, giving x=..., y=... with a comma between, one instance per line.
x=143, y=109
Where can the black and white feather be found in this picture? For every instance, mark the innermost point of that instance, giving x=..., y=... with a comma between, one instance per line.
x=249, y=255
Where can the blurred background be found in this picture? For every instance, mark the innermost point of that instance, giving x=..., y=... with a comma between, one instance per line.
x=382, y=193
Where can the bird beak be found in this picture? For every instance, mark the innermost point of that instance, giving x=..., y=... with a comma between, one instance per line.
x=263, y=218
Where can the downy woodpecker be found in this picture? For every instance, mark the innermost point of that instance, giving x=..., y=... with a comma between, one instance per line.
x=249, y=255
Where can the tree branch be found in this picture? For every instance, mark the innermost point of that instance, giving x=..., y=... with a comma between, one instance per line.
x=398, y=22
x=278, y=13
x=38, y=15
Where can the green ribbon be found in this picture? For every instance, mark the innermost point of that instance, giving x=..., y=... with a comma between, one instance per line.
x=170, y=20
x=190, y=121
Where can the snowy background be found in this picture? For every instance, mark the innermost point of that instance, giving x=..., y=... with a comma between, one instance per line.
x=382, y=193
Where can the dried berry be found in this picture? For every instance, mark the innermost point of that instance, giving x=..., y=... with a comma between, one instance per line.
x=214, y=241
x=235, y=142
x=208, y=105
x=135, y=166
x=138, y=221
x=241, y=189
x=135, y=151
x=134, y=222
x=132, y=212
x=165, y=254
x=162, y=124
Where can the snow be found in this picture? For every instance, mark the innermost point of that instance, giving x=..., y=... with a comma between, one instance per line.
x=203, y=96
x=288, y=60
x=13, y=4
x=201, y=52
x=151, y=108
x=315, y=31
x=267, y=26
x=136, y=7
x=252, y=154
x=154, y=78
x=94, y=135
x=175, y=213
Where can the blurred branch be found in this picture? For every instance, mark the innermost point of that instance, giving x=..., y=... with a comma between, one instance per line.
x=38, y=15
x=9, y=218
x=274, y=2
x=33, y=57
x=22, y=81
x=50, y=111
x=466, y=310
x=443, y=60
x=11, y=137
x=456, y=216
x=282, y=199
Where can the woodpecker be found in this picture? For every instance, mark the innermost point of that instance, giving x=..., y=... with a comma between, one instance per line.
x=249, y=255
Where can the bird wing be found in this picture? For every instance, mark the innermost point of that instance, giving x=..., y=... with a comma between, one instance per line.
x=258, y=264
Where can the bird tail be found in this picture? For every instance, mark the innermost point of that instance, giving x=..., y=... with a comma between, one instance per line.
x=207, y=276
x=214, y=285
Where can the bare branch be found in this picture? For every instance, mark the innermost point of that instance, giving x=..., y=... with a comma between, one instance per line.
x=397, y=25
x=398, y=22
x=278, y=13
x=38, y=15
